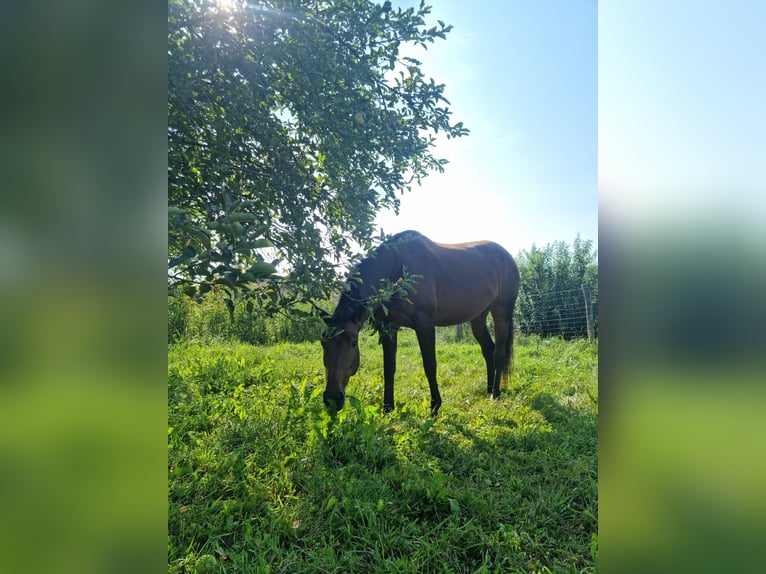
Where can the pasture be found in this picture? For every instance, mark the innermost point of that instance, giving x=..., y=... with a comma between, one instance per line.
x=263, y=479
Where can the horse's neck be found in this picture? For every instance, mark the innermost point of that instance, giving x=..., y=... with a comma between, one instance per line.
x=358, y=300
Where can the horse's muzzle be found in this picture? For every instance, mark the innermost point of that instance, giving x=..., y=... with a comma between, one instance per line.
x=336, y=399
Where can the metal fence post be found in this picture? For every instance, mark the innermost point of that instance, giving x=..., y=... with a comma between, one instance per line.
x=588, y=309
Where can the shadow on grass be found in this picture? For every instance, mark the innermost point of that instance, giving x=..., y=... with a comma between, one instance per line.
x=516, y=487
x=535, y=485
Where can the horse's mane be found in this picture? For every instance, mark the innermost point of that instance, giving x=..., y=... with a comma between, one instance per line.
x=364, y=277
x=354, y=296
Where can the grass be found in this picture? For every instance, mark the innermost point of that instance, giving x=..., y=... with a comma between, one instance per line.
x=263, y=479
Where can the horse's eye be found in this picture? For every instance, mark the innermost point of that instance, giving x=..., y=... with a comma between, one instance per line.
x=353, y=345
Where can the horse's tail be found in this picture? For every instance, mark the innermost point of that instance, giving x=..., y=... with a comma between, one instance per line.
x=508, y=364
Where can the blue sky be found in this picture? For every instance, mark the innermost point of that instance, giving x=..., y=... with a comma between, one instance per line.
x=522, y=76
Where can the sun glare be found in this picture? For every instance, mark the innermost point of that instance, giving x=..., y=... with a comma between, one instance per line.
x=226, y=5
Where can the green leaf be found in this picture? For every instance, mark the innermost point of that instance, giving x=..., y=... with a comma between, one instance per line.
x=261, y=270
x=332, y=502
x=175, y=261
x=260, y=244
x=354, y=402
x=241, y=217
x=200, y=234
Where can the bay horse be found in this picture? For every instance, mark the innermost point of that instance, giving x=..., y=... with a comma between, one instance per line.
x=451, y=284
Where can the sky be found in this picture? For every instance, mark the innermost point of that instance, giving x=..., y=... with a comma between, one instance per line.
x=522, y=76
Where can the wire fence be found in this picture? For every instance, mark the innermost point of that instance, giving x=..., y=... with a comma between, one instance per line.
x=557, y=313
x=552, y=314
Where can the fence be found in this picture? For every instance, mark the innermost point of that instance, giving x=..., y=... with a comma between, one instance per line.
x=569, y=314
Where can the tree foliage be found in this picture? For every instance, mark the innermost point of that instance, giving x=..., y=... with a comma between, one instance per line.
x=551, y=300
x=291, y=123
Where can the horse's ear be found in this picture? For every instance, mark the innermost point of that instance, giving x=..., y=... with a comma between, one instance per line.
x=360, y=314
x=321, y=313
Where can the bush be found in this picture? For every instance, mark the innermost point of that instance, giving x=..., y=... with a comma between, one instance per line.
x=550, y=300
x=179, y=310
x=209, y=319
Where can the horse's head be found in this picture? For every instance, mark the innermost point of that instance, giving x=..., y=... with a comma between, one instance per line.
x=340, y=346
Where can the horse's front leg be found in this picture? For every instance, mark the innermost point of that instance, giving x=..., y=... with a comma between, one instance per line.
x=427, y=341
x=388, y=341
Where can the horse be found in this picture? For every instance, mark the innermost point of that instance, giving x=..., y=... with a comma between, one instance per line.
x=434, y=284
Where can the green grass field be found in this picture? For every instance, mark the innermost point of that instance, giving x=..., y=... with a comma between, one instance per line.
x=263, y=479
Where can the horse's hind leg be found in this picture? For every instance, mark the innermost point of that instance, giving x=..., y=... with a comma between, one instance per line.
x=481, y=333
x=503, y=348
x=427, y=341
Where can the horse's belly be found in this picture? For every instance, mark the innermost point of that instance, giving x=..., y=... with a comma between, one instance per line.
x=458, y=304
x=451, y=316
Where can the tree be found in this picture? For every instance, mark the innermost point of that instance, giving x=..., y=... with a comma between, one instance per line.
x=291, y=123
x=551, y=300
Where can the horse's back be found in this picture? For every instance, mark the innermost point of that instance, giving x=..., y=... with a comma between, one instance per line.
x=459, y=281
